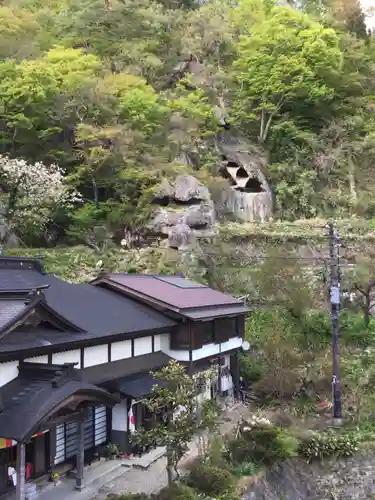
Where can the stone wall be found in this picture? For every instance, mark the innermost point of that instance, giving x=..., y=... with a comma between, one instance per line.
x=342, y=479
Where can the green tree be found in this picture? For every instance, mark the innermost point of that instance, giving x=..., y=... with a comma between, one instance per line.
x=30, y=194
x=286, y=58
x=282, y=283
x=31, y=94
x=177, y=397
x=362, y=282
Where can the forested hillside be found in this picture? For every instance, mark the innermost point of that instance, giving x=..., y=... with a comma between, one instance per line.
x=97, y=107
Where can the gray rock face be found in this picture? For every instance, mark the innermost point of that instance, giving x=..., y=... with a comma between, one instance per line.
x=188, y=188
x=188, y=212
x=342, y=479
x=13, y=241
x=181, y=237
x=249, y=197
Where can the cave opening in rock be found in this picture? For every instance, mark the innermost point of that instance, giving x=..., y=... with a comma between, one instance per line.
x=252, y=186
x=189, y=201
x=163, y=201
x=224, y=172
x=241, y=173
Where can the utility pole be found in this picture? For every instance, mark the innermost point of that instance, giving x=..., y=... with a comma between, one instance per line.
x=335, y=281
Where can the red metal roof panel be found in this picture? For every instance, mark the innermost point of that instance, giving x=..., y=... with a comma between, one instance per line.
x=171, y=294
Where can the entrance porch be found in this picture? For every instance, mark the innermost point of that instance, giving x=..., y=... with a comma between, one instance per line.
x=40, y=399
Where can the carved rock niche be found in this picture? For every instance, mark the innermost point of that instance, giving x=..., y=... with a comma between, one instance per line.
x=249, y=196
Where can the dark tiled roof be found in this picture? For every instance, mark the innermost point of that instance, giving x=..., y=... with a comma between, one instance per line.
x=10, y=309
x=101, y=374
x=28, y=400
x=171, y=292
x=95, y=311
x=102, y=312
x=138, y=386
x=21, y=274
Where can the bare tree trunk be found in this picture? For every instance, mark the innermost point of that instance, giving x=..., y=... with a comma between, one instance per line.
x=95, y=190
x=366, y=309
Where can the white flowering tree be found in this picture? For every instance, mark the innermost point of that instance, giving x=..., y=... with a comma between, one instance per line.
x=30, y=193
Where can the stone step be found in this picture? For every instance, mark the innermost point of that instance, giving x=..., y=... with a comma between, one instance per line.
x=104, y=473
x=145, y=460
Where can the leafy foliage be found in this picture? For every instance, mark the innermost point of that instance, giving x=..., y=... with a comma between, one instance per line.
x=266, y=443
x=211, y=480
x=116, y=93
x=321, y=445
x=178, y=399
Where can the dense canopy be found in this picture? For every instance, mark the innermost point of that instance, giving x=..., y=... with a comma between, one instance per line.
x=113, y=94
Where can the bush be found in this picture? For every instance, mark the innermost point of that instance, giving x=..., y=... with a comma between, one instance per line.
x=213, y=481
x=320, y=445
x=245, y=469
x=239, y=451
x=316, y=329
x=268, y=444
x=216, y=451
x=354, y=331
x=251, y=368
x=177, y=492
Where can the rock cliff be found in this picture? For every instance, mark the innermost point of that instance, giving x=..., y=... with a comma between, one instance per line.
x=340, y=479
x=186, y=212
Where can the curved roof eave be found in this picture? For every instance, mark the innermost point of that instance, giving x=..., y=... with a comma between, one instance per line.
x=21, y=420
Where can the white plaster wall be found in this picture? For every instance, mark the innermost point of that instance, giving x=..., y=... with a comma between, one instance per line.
x=8, y=371
x=157, y=343
x=38, y=359
x=164, y=342
x=59, y=358
x=233, y=343
x=95, y=355
x=204, y=352
x=177, y=355
x=120, y=417
x=165, y=347
x=142, y=346
x=227, y=361
x=121, y=350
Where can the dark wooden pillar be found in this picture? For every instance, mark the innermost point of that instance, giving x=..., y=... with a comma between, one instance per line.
x=219, y=385
x=20, y=469
x=80, y=454
x=191, y=341
x=236, y=374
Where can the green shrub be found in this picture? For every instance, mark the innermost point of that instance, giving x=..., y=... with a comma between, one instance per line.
x=245, y=469
x=216, y=451
x=316, y=329
x=177, y=492
x=210, y=480
x=268, y=444
x=251, y=368
x=353, y=330
x=326, y=444
x=239, y=451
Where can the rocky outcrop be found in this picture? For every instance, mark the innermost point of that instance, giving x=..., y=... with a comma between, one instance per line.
x=337, y=479
x=12, y=239
x=186, y=212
